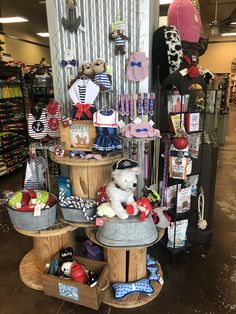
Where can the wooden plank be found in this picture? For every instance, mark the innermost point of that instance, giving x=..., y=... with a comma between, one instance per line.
x=117, y=261
x=47, y=247
x=137, y=264
x=79, y=181
x=98, y=177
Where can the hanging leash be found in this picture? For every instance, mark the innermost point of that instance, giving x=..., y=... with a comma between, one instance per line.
x=202, y=223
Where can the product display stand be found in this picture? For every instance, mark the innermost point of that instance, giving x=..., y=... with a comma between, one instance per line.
x=46, y=244
x=127, y=264
x=87, y=176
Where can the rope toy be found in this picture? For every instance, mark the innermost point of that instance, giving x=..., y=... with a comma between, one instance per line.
x=202, y=223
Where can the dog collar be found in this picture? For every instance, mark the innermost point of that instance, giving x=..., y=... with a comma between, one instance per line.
x=118, y=187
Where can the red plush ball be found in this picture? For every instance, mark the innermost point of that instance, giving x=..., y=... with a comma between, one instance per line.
x=193, y=72
x=180, y=142
x=78, y=273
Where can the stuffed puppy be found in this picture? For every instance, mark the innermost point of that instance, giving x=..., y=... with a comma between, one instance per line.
x=101, y=78
x=119, y=38
x=121, y=189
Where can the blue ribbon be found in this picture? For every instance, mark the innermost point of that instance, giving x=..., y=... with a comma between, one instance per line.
x=142, y=130
x=138, y=64
x=72, y=62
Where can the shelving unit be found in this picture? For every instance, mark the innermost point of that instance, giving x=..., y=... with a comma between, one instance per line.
x=182, y=84
x=13, y=139
x=232, y=89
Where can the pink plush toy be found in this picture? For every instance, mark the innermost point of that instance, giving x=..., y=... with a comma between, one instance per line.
x=140, y=130
x=185, y=17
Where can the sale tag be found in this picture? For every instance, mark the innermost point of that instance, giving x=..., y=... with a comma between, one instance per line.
x=121, y=124
x=37, y=210
x=161, y=281
x=99, y=222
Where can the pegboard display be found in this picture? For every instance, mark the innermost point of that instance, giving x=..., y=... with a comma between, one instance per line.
x=91, y=41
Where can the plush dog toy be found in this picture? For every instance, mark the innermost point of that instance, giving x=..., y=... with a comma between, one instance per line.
x=101, y=78
x=119, y=38
x=142, y=205
x=121, y=189
x=139, y=130
x=161, y=219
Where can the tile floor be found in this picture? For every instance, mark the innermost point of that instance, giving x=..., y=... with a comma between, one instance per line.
x=200, y=282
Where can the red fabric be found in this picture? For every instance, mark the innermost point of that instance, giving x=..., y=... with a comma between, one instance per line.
x=52, y=107
x=102, y=196
x=193, y=71
x=78, y=273
x=83, y=108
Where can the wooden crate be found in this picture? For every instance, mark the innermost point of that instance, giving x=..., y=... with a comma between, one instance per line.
x=80, y=135
x=79, y=293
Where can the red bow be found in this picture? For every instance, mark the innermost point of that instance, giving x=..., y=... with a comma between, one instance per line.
x=83, y=108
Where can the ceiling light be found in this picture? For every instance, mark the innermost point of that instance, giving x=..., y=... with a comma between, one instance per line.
x=43, y=34
x=228, y=34
x=165, y=1
x=233, y=23
x=14, y=19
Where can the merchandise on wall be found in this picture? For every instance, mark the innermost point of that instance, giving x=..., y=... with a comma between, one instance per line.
x=13, y=135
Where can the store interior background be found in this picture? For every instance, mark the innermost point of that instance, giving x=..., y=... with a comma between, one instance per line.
x=25, y=45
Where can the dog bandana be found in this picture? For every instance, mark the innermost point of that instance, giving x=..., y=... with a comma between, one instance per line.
x=53, y=118
x=123, y=289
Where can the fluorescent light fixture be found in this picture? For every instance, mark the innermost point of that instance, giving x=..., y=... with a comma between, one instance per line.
x=229, y=34
x=14, y=19
x=43, y=34
x=233, y=23
x=165, y=1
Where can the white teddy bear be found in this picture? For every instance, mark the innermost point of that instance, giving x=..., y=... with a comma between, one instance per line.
x=121, y=189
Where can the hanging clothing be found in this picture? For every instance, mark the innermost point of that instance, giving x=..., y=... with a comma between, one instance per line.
x=137, y=67
x=53, y=118
x=106, y=123
x=103, y=80
x=83, y=94
x=37, y=123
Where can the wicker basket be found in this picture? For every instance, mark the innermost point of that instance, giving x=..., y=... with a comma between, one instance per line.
x=27, y=220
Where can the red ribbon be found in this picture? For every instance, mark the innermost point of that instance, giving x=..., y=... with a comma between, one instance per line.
x=83, y=108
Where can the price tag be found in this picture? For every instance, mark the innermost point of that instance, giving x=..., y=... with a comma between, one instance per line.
x=161, y=281
x=121, y=124
x=137, y=120
x=184, y=72
x=37, y=210
x=151, y=122
x=99, y=222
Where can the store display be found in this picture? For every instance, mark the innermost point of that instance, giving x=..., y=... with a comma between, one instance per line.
x=177, y=234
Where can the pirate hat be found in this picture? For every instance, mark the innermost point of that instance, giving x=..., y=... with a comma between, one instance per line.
x=125, y=163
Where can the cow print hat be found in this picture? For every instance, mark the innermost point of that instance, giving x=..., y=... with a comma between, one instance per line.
x=166, y=52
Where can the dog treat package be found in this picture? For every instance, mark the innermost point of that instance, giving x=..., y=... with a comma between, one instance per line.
x=192, y=181
x=174, y=103
x=194, y=141
x=178, y=167
x=176, y=239
x=184, y=200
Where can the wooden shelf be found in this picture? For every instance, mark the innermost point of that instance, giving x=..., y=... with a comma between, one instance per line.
x=29, y=273
x=134, y=299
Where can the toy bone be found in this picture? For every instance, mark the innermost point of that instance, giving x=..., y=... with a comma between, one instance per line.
x=150, y=260
x=122, y=289
x=153, y=273
x=72, y=23
x=163, y=220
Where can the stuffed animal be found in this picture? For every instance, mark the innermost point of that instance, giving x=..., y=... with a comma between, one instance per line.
x=101, y=78
x=121, y=189
x=92, y=278
x=139, y=130
x=66, y=269
x=78, y=273
x=105, y=210
x=142, y=205
x=163, y=219
x=119, y=39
